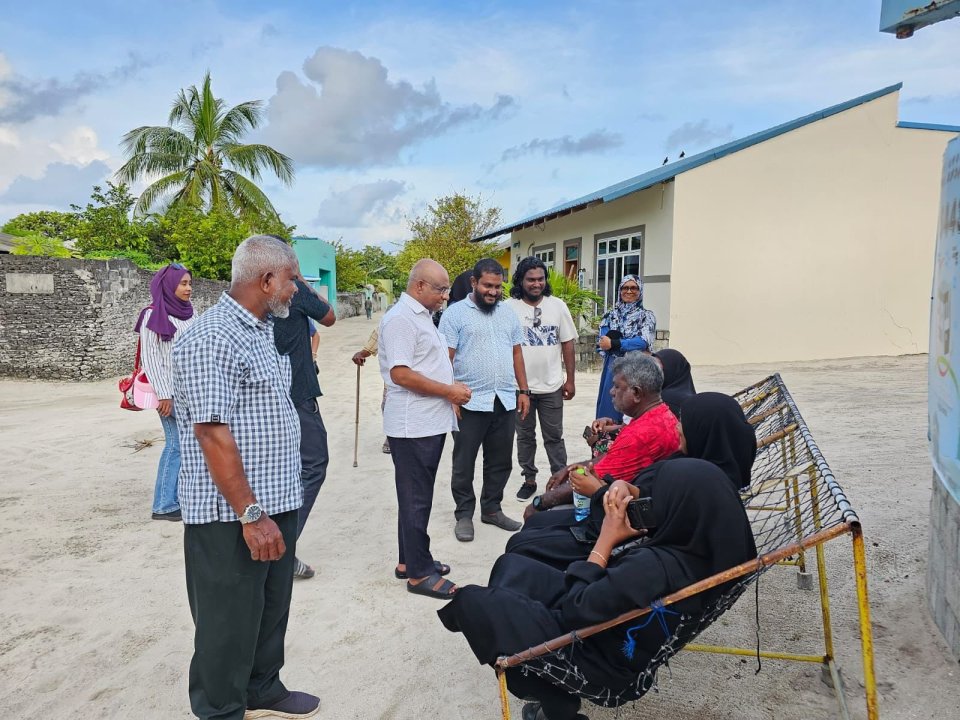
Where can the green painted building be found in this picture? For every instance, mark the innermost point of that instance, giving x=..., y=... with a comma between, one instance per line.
x=318, y=263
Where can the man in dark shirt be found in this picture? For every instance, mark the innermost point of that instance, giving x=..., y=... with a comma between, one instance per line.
x=292, y=336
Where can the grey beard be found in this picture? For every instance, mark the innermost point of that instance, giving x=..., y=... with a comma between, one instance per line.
x=277, y=308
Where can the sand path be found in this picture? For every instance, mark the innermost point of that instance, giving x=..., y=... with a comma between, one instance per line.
x=95, y=621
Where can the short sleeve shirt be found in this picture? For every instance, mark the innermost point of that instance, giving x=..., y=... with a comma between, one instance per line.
x=409, y=338
x=647, y=439
x=292, y=336
x=543, y=332
x=226, y=369
x=484, y=345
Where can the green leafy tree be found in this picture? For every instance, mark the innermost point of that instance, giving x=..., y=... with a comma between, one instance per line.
x=378, y=263
x=581, y=303
x=39, y=245
x=351, y=272
x=104, y=224
x=201, y=160
x=49, y=223
x=206, y=241
x=445, y=231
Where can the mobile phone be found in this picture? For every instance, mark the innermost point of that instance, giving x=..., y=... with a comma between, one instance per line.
x=640, y=514
x=588, y=433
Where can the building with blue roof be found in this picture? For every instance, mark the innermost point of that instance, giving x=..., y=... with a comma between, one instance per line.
x=811, y=239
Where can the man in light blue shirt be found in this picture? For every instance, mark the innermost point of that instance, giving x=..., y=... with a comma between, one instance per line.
x=485, y=340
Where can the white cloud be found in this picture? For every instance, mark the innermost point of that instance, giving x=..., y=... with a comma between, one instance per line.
x=80, y=146
x=696, y=135
x=597, y=141
x=348, y=113
x=354, y=206
x=59, y=186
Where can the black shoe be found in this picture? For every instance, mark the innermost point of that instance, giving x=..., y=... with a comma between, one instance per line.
x=294, y=705
x=174, y=516
x=501, y=521
x=526, y=492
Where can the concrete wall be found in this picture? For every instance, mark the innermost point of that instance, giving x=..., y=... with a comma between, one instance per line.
x=65, y=319
x=943, y=565
x=651, y=208
x=814, y=244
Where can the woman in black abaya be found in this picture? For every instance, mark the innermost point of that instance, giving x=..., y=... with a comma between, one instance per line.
x=677, y=380
x=712, y=428
x=701, y=530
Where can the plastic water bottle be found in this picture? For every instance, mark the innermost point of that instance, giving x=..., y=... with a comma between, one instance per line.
x=581, y=503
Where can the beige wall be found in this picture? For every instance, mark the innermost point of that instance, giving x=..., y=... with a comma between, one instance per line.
x=652, y=208
x=815, y=244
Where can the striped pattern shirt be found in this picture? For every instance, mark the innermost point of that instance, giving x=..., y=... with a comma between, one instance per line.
x=226, y=369
x=155, y=354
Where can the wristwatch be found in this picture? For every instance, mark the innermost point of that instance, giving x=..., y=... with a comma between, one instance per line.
x=523, y=392
x=537, y=502
x=251, y=513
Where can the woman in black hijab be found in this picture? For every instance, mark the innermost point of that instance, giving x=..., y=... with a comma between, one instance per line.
x=701, y=529
x=713, y=427
x=677, y=380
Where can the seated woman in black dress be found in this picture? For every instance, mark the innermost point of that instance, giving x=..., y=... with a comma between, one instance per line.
x=701, y=529
x=712, y=427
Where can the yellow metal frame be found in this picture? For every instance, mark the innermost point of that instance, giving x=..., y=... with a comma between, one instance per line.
x=781, y=556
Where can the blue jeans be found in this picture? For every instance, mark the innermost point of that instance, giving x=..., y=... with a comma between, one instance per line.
x=165, y=491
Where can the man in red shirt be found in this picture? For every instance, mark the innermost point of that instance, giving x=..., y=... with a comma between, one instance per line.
x=651, y=435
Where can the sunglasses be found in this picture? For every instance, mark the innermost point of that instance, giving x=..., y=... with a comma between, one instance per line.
x=537, y=312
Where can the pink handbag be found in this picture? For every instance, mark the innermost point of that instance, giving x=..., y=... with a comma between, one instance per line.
x=137, y=392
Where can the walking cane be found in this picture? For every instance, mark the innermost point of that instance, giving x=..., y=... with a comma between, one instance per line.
x=356, y=425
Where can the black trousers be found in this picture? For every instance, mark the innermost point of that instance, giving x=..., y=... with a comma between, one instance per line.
x=549, y=408
x=314, y=456
x=493, y=431
x=240, y=608
x=415, y=463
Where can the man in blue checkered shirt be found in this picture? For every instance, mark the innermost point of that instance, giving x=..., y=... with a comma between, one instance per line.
x=240, y=490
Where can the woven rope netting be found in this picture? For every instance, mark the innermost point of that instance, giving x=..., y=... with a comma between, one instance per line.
x=792, y=498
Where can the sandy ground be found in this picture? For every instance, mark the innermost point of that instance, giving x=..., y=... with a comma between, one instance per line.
x=95, y=622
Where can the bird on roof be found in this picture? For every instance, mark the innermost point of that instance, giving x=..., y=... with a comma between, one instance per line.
x=666, y=160
x=682, y=154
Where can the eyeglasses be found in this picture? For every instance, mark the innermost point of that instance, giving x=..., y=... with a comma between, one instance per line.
x=537, y=312
x=444, y=290
x=630, y=289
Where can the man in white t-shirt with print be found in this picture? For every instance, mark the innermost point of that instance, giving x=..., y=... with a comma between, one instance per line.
x=548, y=338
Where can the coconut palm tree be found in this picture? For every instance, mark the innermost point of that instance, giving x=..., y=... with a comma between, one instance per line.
x=200, y=158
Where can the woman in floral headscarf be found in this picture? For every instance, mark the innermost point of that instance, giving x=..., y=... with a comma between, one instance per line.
x=626, y=327
x=169, y=313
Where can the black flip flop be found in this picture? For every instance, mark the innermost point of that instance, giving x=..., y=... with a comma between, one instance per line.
x=441, y=570
x=426, y=587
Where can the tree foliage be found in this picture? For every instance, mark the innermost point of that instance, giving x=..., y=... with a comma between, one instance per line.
x=49, y=223
x=104, y=229
x=444, y=233
x=201, y=160
x=37, y=244
x=206, y=242
x=104, y=224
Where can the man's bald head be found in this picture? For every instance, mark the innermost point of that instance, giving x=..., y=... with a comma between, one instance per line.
x=429, y=284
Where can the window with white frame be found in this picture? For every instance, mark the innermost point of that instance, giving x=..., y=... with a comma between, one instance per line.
x=546, y=254
x=617, y=256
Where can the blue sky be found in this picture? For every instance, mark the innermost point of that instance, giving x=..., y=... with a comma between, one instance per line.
x=386, y=106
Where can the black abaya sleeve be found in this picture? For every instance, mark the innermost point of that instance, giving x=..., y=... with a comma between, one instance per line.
x=595, y=594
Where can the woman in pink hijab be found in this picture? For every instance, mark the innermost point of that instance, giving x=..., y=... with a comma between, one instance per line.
x=170, y=312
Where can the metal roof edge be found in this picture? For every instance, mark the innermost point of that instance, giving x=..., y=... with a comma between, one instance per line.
x=668, y=172
x=928, y=126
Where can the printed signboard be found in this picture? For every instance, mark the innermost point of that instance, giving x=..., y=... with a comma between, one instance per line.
x=944, y=365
